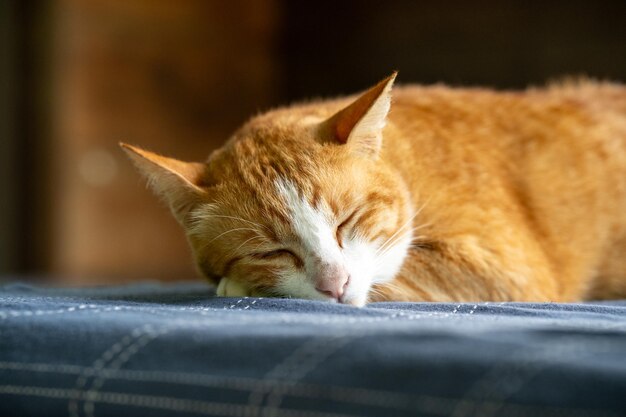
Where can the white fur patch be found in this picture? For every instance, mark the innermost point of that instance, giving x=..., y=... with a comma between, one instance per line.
x=312, y=226
x=366, y=262
x=318, y=241
x=296, y=284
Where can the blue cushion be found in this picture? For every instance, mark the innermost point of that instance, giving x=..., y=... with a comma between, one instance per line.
x=176, y=350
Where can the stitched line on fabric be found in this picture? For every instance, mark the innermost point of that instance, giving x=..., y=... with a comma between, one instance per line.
x=155, y=402
x=334, y=319
x=106, y=356
x=95, y=297
x=302, y=361
x=370, y=319
x=117, y=349
x=206, y=311
x=201, y=310
x=305, y=359
x=274, y=396
x=505, y=380
x=439, y=406
x=101, y=308
x=88, y=309
x=363, y=396
x=249, y=384
x=29, y=313
x=92, y=394
x=338, y=319
x=235, y=304
x=142, y=337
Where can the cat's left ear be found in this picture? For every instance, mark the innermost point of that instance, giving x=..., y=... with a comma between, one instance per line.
x=360, y=125
x=183, y=185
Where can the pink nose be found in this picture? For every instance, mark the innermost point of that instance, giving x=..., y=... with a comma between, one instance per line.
x=332, y=281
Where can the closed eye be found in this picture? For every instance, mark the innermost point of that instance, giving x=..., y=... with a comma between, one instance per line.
x=280, y=253
x=341, y=227
x=275, y=254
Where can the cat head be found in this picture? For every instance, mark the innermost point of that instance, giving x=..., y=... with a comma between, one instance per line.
x=297, y=203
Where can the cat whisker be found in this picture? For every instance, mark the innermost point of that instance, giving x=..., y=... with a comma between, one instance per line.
x=386, y=243
x=236, y=218
x=421, y=226
x=390, y=287
x=404, y=225
x=248, y=240
x=373, y=292
x=403, y=235
x=379, y=261
x=258, y=246
x=393, y=286
x=233, y=230
x=382, y=253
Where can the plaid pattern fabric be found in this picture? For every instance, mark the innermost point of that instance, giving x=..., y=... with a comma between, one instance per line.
x=155, y=350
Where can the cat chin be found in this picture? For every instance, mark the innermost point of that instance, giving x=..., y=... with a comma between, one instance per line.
x=357, y=302
x=231, y=288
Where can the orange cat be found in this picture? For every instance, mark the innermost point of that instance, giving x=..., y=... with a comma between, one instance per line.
x=452, y=195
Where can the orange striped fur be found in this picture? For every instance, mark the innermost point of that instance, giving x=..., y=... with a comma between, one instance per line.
x=423, y=194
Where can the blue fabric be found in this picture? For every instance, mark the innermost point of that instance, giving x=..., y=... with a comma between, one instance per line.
x=155, y=350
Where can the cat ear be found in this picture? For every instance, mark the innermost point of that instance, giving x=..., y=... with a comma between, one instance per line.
x=181, y=184
x=360, y=125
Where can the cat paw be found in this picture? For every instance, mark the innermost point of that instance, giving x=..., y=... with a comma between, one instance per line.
x=229, y=288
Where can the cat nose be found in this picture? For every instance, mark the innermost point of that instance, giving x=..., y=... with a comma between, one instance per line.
x=333, y=281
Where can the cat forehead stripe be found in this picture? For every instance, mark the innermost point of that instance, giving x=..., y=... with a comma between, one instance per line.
x=310, y=224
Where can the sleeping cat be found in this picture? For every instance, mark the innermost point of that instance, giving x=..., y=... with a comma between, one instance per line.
x=420, y=194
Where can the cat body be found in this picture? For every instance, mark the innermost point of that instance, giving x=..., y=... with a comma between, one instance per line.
x=420, y=194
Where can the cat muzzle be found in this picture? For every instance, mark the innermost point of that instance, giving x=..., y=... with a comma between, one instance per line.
x=332, y=281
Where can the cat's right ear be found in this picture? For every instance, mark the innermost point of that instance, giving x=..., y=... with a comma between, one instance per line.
x=183, y=185
x=360, y=124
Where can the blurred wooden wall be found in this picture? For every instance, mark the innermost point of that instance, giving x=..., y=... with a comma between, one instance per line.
x=178, y=77
x=8, y=189
x=173, y=76
x=336, y=47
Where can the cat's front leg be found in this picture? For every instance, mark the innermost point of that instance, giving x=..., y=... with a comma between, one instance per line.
x=230, y=288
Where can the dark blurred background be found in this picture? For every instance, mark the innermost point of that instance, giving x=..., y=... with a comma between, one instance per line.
x=177, y=77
